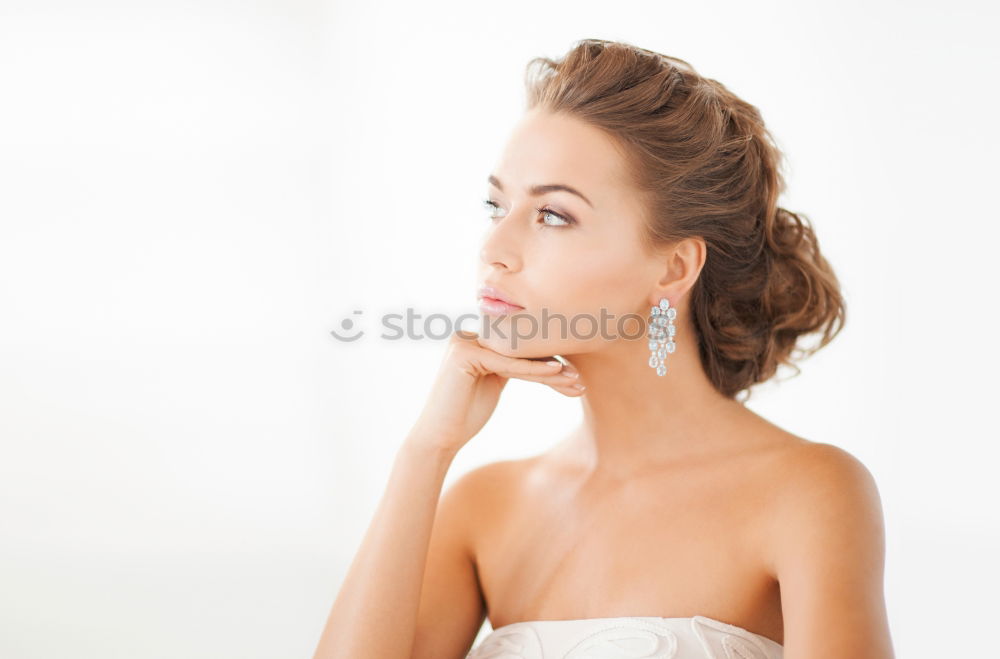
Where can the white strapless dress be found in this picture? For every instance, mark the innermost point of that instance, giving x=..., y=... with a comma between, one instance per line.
x=642, y=637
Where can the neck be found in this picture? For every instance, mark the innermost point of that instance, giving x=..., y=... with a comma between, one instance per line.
x=634, y=419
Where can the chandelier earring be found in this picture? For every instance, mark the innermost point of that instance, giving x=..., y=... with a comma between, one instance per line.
x=661, y=335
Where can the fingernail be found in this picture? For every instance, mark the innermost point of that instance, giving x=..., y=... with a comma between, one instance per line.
x=572, y=374
x=554, y=363
x=579, y=386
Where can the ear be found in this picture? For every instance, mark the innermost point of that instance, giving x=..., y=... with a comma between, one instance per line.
x=681, y=264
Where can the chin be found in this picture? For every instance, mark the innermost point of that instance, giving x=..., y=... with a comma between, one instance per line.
x=526, y=348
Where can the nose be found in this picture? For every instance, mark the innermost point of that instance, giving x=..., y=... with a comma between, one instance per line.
x=503, y=244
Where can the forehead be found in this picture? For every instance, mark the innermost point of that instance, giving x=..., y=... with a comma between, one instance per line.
x=546, y=148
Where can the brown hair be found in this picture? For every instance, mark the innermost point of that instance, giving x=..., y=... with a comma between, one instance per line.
x=708, y=168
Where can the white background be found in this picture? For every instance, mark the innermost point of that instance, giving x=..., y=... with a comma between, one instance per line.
x=193, y=194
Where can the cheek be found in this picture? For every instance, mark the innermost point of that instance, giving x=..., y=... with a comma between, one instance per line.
x=592, y=281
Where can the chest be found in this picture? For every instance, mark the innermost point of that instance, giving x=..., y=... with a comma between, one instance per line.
x=561, y=547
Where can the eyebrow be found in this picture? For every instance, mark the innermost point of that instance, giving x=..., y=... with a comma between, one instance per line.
x=537, y=190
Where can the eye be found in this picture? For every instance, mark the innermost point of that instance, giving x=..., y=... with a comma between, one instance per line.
x=546, y=213
x=491, y=205
x=550, y=213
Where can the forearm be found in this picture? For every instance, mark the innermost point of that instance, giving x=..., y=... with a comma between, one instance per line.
x=375, y=612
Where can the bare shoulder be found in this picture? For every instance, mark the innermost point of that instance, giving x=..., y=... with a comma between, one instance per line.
x=824, y=492
x=491, y=478
x=826, y=548
x=815, y=469
x=482, y=491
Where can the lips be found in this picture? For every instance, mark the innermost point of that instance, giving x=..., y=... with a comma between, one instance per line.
x=495, y=302
x=493, y=294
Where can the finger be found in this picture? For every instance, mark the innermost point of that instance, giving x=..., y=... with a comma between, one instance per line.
x=568, y=371
x=566, y=382
x=568, y=375
x=570, y=390
x=481, y=360
x=516, y=367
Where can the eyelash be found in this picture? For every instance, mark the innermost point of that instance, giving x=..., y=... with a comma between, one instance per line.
x=491, y=205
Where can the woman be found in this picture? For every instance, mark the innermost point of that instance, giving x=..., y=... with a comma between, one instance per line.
x=673, y=522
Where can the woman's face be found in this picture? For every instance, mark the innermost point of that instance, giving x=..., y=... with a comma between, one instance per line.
x=578, y=255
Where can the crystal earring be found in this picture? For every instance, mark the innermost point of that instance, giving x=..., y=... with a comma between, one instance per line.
x=661, y=335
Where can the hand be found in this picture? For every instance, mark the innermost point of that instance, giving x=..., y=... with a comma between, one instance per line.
x=468, y=386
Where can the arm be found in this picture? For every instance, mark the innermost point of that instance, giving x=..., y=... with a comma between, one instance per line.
x=829, y=557
x=452, y=603
x=374, y=614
